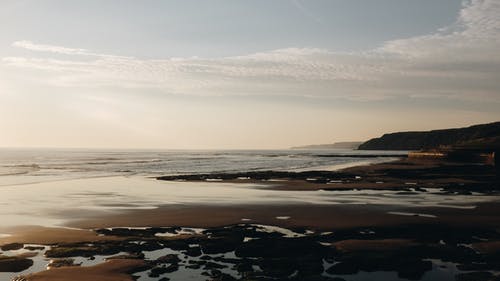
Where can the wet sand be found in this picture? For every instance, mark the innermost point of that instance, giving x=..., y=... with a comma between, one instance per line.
x=300, y=216
x=112, y=270
x=319, y=217
x=50, y=235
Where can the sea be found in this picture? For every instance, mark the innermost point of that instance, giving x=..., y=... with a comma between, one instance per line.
x=49, y=187
x=19, y=166
x=52, y=187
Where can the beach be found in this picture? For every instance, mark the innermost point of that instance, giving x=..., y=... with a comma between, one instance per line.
x=261, y=140
x=402, y=220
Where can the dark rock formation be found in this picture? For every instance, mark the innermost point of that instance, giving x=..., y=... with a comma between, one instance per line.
x=12, y=247
x=477, y=137
x=61, y=263
x=475, y=276
x=14, y=264
x=170, y=258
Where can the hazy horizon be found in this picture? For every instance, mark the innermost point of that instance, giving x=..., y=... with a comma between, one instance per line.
x=242, y=74
x=188, y=149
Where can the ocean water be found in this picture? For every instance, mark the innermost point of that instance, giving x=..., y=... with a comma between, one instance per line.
x=18, y=166
x=49, y=186
x=55, y=187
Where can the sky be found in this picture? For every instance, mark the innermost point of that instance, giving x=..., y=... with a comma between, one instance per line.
x=231, y=74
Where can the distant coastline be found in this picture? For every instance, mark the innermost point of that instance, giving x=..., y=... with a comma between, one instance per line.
x=336, y=145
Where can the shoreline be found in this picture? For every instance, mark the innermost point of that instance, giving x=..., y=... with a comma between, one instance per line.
x=186, y=214
x=385, y=222
x=400, y=174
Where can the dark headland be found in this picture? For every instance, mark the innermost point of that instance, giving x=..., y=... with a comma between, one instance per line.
x=484, y=136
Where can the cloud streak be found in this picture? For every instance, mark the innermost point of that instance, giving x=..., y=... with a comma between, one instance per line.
x=49, y=48
x=28, y=45
x=455, y=62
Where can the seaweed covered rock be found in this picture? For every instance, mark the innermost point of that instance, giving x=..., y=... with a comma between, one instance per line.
x=12, y=247
x=14, y=264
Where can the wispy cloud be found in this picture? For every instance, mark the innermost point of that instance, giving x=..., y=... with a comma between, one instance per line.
x=25, y=44
x=49, y=48
x=454, y=62
x=475, y=36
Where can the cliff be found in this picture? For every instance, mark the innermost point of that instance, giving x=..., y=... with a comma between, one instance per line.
x=482, y=137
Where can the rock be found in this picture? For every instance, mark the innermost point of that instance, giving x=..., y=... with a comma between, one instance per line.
x=34, y=248
x=224, y=277
x=212, y=265
x=172, y=268
x=145, y=246
x=14, y=264
x=220, y=245
x=310, y=266
x=177, y=245
x=275, y=247
x=475, y=276
x=244, y=266
x=102, y=248
x=159, y=270
x=343, y=268
x=193, y=266
x=317, y=278
x=170, y=258
x=226, y=260
x=406, y=265
x=12, y=247
x=278, y=267
x=217, y=275
x=413, y=270
x=64, y=252
x=55, y=263
x=193, y=252
x=197, y=262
